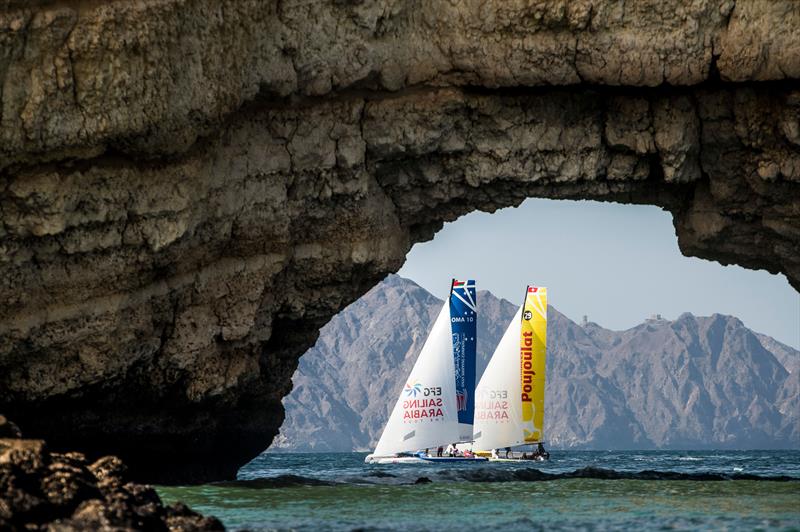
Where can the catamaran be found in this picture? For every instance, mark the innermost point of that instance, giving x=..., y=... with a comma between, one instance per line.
x=509, y=408
x=436, y=406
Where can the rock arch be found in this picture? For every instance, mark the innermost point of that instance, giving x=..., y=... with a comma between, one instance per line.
x=190, y=190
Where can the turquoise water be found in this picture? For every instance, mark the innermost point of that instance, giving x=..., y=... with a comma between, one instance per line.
x=712, y=490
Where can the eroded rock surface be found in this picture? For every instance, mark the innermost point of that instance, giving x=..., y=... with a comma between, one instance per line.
x=189, y=190
x=40, y=490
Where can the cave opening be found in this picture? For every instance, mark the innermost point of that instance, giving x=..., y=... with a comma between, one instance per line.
x=639, y=330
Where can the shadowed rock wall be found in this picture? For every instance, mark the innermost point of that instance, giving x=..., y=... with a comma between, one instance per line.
x=189, y=190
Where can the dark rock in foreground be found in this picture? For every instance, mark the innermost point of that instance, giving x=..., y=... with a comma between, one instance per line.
x=8, y=429
x=40, y=490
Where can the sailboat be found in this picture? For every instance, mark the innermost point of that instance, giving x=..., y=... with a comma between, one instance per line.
x=509, y=408
x=436, y=405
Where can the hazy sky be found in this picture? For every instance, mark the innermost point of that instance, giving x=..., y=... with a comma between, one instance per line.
x=618, y=264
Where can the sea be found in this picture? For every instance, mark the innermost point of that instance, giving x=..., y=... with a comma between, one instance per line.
x=574, y=490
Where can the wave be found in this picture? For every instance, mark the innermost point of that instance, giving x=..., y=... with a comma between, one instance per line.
x=486, y=474
x=281, y=481
x=380, y=474
x=536, y=475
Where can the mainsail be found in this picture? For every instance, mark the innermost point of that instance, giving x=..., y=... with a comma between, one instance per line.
x=509, y=408
x=463, y=314
x=533, y=348
x=426, y=414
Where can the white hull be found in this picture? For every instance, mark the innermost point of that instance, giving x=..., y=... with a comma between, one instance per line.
x=422, y=459
x=537, y=459
x=370, y=459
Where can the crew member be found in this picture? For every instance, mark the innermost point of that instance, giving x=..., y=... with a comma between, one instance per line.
x=451, y=450
x=541, y=452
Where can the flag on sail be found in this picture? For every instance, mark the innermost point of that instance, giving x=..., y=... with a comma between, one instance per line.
x=463, y=322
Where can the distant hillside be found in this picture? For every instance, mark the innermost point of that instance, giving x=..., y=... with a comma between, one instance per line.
x=696, y=382
x=788, y=357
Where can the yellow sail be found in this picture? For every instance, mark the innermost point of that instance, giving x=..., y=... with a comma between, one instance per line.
x=533, y=342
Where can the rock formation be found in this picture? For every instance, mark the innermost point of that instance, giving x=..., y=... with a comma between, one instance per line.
x=692, y=383
x=40, y=490
x=189, y=189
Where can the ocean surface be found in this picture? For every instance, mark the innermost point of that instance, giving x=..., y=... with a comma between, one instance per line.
x=575, y=490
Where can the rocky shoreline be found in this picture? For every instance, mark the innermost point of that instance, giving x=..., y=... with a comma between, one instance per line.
x=43, y=490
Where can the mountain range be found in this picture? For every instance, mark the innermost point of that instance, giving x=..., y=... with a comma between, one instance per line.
x=692, y=383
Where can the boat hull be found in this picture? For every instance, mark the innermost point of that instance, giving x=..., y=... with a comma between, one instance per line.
x=422, y=459
x=454, y=459
x=393, y=460
x=537, y=459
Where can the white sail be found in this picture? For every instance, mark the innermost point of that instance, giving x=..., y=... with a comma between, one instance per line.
x=498, y=407
x=426, y=415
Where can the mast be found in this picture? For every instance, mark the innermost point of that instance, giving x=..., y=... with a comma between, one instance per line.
x=463, y=327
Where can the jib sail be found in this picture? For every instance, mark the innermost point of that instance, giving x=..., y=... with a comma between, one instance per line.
x=425, y=414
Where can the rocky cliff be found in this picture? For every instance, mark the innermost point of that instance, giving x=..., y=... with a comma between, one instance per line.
x=189, y=189
x=42, y=490
x=692, y=383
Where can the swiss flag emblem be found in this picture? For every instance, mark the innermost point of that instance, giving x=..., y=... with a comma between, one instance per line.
x=533, y=289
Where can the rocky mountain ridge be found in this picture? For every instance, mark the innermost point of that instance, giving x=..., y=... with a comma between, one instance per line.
x=695, y=382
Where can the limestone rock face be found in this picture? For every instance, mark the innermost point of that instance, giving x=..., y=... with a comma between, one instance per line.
x=189, y=189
